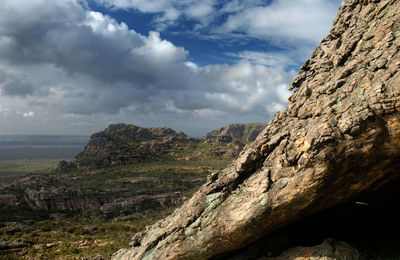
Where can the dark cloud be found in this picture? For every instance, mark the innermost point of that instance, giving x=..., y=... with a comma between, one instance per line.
x=3, y=76
x=16, y=88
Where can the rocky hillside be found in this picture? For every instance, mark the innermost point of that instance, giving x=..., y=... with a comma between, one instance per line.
x=52, y=194
x=152, y=169
x=243, y=133
x=338, y=137
x=121, y=144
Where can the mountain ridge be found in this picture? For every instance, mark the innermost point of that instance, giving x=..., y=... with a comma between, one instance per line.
x=120, y=144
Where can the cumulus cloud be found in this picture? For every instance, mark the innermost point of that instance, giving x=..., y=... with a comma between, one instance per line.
x=73, y=69
x=87, y=43
x=276, y=20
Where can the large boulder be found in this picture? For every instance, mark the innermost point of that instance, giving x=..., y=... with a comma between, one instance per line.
x=338, y=136
x=329, y=250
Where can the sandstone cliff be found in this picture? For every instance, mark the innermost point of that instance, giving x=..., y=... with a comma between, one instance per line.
x=52, y=194
x=122, y=144
x=338, y=136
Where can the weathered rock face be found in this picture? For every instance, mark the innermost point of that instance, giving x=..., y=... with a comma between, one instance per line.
x=51, y=194
x=338, y=136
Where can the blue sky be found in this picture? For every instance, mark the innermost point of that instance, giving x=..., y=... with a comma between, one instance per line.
x=75, y=66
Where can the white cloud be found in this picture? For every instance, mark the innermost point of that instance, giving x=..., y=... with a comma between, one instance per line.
x=74, y=71
x=272, y=59
x=278, y=20
x=202, y=11
x=169, y=11
x=28, y=114
x=283, y=20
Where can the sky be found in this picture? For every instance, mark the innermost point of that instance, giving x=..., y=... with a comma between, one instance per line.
x=72, y=67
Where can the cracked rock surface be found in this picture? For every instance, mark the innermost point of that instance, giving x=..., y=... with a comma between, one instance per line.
x=338, y=136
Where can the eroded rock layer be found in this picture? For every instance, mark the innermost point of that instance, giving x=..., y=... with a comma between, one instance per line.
x=338, y=136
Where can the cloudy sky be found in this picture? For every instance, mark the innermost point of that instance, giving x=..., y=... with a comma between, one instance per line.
x=75, y=66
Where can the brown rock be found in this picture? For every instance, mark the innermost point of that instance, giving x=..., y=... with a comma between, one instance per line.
x=329, y=250
x=123, y=144
x=308, y=157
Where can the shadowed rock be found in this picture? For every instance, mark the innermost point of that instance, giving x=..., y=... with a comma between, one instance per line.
x=329, y=250
x=338, y=136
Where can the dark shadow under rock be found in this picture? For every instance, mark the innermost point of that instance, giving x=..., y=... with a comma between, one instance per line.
x=370, y=223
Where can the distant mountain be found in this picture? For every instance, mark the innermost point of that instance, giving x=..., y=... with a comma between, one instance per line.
x=120, y=144
x=244, y=133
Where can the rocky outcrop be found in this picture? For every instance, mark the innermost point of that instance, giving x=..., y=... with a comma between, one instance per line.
x=141, y=203
x=122, y=144
x=7, y=247
x=52, y=194
x=64, y=199
x=338, y=136
x=329, y=250
x=241, y=133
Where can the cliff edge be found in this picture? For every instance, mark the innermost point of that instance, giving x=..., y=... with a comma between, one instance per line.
x=338, y=136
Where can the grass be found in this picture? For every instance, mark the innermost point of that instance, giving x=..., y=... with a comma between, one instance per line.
x=167, y=175
x=13, y=169
x=82, y=237
x=78, y=236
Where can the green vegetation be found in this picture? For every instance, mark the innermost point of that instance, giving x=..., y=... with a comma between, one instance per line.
x=20, y=213
x=60, y=234
x=163, y=175
x=12, y=169
x=69, y=235
x=81, y=237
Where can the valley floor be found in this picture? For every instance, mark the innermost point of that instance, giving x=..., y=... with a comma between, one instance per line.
x=38, y=228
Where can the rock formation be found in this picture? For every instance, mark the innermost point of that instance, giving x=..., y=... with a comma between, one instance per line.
x=124, y=144
x=55, y=194
x=66, y=191
x=242, y=133
x=329, y=250
x=338, y=136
